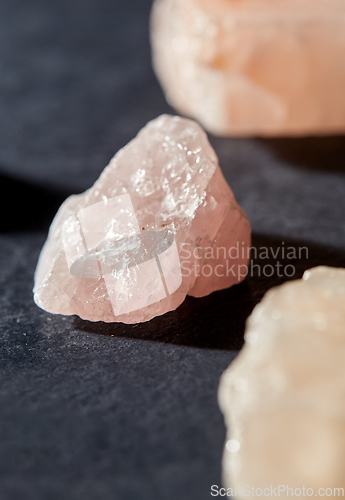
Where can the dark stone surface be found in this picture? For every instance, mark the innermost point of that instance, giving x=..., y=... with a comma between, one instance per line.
x=90, y=411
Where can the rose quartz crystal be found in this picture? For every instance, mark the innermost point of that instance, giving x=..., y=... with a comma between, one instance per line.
x=158, y=224
x=253, y=67
x=283, y=397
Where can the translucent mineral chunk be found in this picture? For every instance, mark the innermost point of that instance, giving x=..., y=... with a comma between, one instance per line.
x=158, y=224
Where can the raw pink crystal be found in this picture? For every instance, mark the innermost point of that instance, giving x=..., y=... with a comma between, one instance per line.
x=158, y=224
x=283, y=397
x=253, y=67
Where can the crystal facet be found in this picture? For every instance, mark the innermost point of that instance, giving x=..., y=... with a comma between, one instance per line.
x=158, y=224
x=283, y=397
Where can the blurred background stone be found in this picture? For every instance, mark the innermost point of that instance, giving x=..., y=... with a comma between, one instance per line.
x=253, y=68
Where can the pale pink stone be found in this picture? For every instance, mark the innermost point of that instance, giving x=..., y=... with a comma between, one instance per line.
x=283, y=397
x=131, y=247
x=253, y=67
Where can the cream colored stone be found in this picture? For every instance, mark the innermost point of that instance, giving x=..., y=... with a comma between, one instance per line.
x=283, y=397
x=253, y=67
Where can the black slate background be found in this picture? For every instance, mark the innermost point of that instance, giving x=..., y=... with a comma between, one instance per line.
x=95, y=411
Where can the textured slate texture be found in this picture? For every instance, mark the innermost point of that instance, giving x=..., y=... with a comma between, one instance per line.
x=94, y=411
